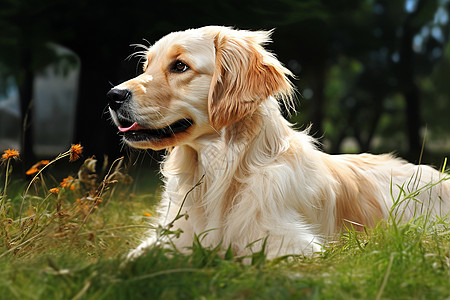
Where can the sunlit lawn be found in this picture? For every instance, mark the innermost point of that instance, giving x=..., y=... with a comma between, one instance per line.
x=68, y=238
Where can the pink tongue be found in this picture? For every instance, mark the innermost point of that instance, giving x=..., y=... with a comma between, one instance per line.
x=135, y=126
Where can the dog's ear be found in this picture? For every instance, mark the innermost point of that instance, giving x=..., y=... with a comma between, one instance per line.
x=245, y=75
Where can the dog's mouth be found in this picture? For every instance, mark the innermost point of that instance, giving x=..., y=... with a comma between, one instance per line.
x=134, y=132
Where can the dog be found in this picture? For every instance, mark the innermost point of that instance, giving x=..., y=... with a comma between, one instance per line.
x=236, y=171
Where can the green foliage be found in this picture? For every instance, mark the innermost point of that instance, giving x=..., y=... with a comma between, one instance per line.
x=383, y=263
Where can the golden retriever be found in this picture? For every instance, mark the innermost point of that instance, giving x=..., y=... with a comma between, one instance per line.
x=211, y=97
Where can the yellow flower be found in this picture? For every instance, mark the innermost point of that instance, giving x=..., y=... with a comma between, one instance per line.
x=37, y=166
x=10, y=153
x=75, y=152
x=54, y=191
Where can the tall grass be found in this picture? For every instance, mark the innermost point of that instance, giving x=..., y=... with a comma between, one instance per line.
x=70, y=243
x=44, y=213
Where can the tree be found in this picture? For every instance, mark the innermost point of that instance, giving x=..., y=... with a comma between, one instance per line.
x=382, y=44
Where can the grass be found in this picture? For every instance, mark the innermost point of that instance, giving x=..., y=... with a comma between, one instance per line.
x=71, y=245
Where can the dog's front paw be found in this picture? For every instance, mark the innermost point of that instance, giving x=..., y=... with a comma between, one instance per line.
x=135, y=253
x=141, y=249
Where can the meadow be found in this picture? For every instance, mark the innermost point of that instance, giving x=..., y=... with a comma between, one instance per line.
x=68, y=239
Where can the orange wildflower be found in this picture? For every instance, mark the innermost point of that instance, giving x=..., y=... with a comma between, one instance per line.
x=75, y=152
x=31, y=171
x=10, y=153
x=37, y=167
x=68, y=183
x=147, y=215
x=54, y=191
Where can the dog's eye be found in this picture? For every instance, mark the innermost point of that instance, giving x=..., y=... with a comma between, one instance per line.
x=179, y=67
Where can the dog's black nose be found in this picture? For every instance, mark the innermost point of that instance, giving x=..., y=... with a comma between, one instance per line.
x=116, y=97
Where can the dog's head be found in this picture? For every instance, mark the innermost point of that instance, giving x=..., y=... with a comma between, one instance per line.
x=194, y=83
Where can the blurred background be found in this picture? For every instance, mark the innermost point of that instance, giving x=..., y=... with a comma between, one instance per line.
x=372, y=75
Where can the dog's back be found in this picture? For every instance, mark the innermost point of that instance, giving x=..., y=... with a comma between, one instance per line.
x=374, y=187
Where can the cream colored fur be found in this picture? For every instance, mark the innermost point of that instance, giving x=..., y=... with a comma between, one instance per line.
x=259, y=178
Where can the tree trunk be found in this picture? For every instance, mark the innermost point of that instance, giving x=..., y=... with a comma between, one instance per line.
x=378, y=110
x=25, y=98
x=408, y=86
x=317, y=102
x=410, y=91
x=413, y=121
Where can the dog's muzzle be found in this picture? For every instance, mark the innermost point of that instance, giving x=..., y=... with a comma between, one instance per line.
x=134, y=132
